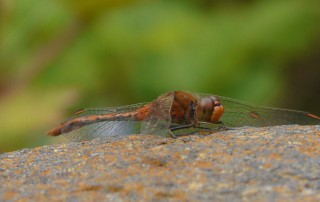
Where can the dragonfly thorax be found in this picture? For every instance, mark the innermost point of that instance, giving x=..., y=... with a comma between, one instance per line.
x=183, y=110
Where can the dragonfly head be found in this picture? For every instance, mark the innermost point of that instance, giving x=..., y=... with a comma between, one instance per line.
x=209, y=109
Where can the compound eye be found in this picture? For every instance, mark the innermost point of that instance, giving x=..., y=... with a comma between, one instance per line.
x=215, y=100
x=205, y=102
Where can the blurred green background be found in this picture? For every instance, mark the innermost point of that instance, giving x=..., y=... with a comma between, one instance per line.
x=59, y=56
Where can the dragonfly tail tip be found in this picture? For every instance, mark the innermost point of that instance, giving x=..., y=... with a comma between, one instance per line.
x=54, y=132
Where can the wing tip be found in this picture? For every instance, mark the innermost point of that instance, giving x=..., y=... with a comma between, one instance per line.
x=79, y=111
x=314, y=116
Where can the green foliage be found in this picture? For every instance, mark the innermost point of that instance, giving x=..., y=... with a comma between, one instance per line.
x=110, y=53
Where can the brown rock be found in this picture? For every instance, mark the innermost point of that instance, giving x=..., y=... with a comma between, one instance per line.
x=248, y=164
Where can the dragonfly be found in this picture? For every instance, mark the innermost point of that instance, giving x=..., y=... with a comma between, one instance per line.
x=173, y=114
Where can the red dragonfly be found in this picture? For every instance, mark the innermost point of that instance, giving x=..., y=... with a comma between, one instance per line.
x=173, y=113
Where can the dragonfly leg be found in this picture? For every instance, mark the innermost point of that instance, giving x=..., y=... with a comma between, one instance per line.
x=221, y=126
x=172, y=135
x=178, y=128
x=198, y=125
x=182, y=127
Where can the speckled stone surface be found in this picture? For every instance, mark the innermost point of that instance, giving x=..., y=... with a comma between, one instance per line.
x=247, y=164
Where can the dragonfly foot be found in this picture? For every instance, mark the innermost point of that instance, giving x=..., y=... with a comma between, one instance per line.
x=171, y=134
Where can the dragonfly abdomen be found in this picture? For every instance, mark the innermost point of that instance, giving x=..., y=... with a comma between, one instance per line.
x=80, y=122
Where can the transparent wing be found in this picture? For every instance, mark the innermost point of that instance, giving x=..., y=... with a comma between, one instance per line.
x=87, y=129
x=158, y=119
x=238, y=114
x=104, y=129
x=109, y=110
